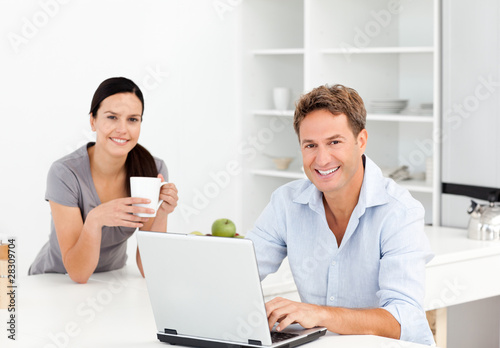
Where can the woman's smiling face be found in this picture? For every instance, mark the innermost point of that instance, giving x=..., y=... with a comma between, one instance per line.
x=118, y=123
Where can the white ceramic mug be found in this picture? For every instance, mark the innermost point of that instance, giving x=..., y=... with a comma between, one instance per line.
x=147, y=187
x=281, y=98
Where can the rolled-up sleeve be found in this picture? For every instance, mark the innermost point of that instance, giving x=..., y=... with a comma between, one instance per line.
x=405, y=251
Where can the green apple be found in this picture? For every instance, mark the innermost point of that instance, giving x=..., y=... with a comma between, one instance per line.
x=198, y=233
x=223, y=228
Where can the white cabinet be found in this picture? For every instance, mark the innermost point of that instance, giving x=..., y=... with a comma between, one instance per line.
x=471, y=98
x=383, y=49
x=471, y=101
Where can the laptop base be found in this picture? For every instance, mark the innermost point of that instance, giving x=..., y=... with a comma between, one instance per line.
x=203, y=343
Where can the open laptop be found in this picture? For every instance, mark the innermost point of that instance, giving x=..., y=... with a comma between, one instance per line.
x=205, y=292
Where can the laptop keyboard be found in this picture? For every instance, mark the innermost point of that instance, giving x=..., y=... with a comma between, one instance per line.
x=281, y=336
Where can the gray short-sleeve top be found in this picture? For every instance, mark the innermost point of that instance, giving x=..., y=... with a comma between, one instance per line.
x=69, y=182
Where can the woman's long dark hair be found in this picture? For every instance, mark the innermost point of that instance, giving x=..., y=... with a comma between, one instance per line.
x=139, y=161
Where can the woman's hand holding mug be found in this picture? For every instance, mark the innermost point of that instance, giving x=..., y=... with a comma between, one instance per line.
x=122, y=212
x=168, y=196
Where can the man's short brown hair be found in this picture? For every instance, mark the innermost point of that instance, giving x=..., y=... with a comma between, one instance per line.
x=336, y=99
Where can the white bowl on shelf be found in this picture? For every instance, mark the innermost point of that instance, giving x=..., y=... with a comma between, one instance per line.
x=282, y=163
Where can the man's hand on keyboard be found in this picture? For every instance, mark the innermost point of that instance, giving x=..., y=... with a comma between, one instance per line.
x=286, y=312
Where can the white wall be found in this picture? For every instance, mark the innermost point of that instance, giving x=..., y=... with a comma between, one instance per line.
x=54, y=53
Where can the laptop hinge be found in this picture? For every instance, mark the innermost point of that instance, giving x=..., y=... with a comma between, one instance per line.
x=171, y=331
x=255, y=342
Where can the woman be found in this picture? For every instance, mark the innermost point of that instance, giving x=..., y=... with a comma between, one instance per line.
x=89, y=190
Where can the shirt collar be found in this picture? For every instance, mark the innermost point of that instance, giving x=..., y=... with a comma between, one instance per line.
x=311, y=196
x=372, y=192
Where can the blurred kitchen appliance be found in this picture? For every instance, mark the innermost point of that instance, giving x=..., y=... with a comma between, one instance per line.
x=484, y=222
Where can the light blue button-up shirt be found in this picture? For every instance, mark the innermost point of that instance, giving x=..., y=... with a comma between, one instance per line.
x=380, y=262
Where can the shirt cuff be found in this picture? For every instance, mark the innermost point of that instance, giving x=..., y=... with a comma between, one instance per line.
x=414, y=324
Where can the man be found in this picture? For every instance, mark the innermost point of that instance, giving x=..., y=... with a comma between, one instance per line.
x=354, y=239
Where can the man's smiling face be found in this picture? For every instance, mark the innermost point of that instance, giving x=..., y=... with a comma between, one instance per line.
x=331, y=154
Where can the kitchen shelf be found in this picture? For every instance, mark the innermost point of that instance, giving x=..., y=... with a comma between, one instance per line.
x=399, y=118
x=279, y=173
x=278, y=51
x=377, y=50
x=369, y=117
x=317, y=42
x=279, y=113
x=417, y=186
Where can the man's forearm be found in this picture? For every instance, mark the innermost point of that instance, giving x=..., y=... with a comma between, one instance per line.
x=376, y=321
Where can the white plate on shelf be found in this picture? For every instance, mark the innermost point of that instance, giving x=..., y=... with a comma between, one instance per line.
x=387, y=111
x=427, y=106
x=388, y=106
x=390, y=100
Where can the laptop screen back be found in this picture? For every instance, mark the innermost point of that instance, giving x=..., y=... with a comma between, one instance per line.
x=204, y=286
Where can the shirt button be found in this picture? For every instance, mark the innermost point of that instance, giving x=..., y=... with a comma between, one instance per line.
x=332, y=298
x=334, y=263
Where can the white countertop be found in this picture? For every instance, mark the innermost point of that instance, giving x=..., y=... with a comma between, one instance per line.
x=111, y=310
x=452, y=245
x=463, y=270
